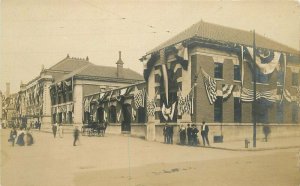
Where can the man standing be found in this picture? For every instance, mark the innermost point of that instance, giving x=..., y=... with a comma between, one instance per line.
x=189, y=134
x=54, y=129
x=204, y=133
x=76, y=135
x=195, y=135
x=165, y=133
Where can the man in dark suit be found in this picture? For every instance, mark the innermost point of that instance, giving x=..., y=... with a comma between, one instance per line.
x=189, y=134
x=165, y=133
x=204, y=133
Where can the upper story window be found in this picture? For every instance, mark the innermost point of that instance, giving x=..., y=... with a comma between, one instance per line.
x=219, y=70
x=237, y=73
x=261, y=78
x=295, y=78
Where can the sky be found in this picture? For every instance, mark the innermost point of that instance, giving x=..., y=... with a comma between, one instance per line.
x=43, y=32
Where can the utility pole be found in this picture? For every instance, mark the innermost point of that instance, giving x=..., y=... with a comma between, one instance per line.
x=254, y=91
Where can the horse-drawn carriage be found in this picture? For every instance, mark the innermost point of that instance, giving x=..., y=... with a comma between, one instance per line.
x=93, y=129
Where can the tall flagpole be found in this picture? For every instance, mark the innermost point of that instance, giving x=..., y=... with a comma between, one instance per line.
x=254, y=91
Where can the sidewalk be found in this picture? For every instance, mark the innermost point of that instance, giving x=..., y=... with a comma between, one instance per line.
x=273, y=143
x=276, y=143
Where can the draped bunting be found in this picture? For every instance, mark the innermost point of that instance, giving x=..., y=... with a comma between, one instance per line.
x=149, y=65
x=247, y=95
x=287, y=95
x=266, y=61
x=87, y=104
x=210, y=86
x=182, y=55
x=227, y=91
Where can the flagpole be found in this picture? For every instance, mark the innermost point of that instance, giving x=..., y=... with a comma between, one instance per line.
x=254, y=91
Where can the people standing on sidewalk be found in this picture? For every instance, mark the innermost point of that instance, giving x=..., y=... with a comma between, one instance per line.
x=204, y=133
x=76, y=135
x=54, y=129
x=60, y=130
x=189, y=134
x=13, y=136
x=182, y=134
x=195, y=131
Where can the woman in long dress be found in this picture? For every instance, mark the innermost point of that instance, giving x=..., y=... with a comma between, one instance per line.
x=20, y=138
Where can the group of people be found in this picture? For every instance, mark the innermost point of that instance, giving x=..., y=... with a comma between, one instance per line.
x=21, y=137
x=190, y=133
x=59, y=128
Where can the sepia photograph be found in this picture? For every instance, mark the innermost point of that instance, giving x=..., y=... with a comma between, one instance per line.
x=150, y=93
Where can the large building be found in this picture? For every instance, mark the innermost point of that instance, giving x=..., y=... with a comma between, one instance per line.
x=56, y=94
x=205, y=73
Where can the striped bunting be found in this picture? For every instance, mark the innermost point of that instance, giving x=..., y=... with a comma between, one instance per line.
x=227, y=91
x=210, y=86
x=247, y=95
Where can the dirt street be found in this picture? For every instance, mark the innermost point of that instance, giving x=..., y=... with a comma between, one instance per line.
x=120, y=160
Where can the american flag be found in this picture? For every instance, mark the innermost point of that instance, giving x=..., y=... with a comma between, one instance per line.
x=210, y=86
x=247, y=95
x=139, y=98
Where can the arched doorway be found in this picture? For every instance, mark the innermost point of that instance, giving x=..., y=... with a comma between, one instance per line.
x=100, y=114
x=127, y=113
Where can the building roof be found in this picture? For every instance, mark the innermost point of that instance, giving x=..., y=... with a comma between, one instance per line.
x=80, y=67
x=69, y=64
x=110, y=72
x=226, y=34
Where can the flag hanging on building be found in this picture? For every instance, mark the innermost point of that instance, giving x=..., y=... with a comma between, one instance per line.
x=210, y=86
x=139, y=98
x=247, y=95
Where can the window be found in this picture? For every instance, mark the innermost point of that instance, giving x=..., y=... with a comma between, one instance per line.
x=294, y=113
x=157, y=78
x=237, y=73
x=294, y=79
x=219, y=70
x=261, y=78
x=262, y=110
x=280, y=77
x=218, y=109
x=112, y=114
x=237, y=110
x=279, y=112
x=141, y=115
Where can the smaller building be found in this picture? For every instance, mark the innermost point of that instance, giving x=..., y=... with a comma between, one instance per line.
x=68, y=91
